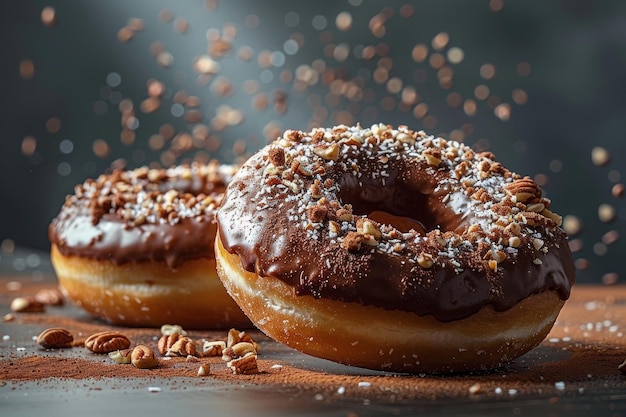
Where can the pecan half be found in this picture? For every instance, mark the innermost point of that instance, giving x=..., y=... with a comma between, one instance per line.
x=107, y=341
x=55, y=338
x=524, y=189
x=143, y=357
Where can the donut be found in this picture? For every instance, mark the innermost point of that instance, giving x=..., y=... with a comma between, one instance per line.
x=136, y=247
x=389, y=249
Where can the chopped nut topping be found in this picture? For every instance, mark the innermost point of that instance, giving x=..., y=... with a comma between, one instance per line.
x=277, y=157
x=367, y=226
x=144, y=196
x=493, y=264
x=425, y=260
x=344, y=215
x=433, y=157
x=352, y=242
x=317, y=213
x=334, y=227
x=514, y=242
x=329, y=153
x=315, y=189
x=536, y=207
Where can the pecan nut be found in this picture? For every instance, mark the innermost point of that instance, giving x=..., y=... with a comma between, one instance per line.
x=55, y=338
x=244, y=365
x=524, y=189
x=216, y=348
x=235, y=336
x=143, y=357
x=166, y=342
x=107, y=341
x=238, y=350
x=184, y=346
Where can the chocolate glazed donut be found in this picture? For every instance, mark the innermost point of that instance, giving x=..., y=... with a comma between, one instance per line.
x=389, y=249
x=136, y=247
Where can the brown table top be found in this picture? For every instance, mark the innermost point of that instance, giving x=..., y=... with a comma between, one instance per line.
x=573, y=372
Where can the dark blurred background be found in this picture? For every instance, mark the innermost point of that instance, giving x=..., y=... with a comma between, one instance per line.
x=87, y=85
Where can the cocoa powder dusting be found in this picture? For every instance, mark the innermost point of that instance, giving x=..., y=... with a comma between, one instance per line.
x=580, y=357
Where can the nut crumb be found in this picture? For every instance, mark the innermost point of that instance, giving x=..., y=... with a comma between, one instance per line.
x=204, y=369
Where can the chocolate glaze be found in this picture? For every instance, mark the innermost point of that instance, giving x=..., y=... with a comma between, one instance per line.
x=264, y=225
x=112, y=234
x=111, y=239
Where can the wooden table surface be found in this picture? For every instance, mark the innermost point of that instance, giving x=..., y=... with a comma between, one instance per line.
x=573, y=372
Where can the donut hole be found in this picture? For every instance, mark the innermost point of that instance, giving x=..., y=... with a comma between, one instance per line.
x=399, y=205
